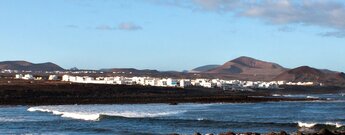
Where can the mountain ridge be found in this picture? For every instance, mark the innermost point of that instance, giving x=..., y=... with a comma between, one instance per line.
x=28, y=66
x=310, y=74
x=249, y=66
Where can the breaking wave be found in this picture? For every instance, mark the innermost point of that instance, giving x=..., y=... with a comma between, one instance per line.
x=97, y=116
x=312, y=97
x=95, y=113
x=313, y=124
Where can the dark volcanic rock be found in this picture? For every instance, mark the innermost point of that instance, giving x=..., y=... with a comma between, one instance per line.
x=283, y=133
x=325, y=132
x=228, y=133
x=299, y=133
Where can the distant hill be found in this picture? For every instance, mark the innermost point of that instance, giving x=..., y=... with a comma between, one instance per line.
x=27, y=66
x=248, y=66
x=204, y=68
x=131, y=70
x=309, y=74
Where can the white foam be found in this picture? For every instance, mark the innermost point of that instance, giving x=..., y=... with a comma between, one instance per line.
x=94, y=112
x=310, y=125
x=336, y=124
x=88, y=117
x=200, y=119
x=312, y=97
x=307, y=125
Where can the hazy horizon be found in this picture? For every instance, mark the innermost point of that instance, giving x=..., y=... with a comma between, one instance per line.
x=172, y=34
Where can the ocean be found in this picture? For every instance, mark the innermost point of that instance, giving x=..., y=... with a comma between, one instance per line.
x=152, y=119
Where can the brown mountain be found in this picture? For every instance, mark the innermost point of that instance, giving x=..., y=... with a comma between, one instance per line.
x=27, y=66
x=303, y=74
x=309, y=74
x=131, y=70
x=248, y=66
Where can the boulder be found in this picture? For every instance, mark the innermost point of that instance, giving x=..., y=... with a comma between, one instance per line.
x=283, y=133
x=299, y=133
x=228, y=133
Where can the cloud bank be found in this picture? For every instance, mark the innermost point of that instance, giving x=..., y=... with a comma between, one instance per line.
x=322, y=13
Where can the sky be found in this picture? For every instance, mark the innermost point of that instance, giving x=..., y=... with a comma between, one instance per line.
x=173, y=34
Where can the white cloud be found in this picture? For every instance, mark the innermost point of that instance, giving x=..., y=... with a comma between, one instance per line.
x=321, y=13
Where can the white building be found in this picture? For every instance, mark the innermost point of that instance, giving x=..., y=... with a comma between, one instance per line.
x=19, y=76
x=162, y=82
x=171, y=82
x=53, y=77
x=185, y=83
x=150, y=82
x=28, y=77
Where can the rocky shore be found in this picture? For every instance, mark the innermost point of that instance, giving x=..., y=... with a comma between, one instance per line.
x=321, y=132
x=16, y=92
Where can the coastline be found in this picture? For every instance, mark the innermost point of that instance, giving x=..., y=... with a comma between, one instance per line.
x=58, y=93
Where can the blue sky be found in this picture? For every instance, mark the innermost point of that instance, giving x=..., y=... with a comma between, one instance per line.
x=172, y=34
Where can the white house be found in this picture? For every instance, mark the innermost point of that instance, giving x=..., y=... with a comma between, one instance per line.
x=185, y=83
x=79, y=79
x=19, y=76
x=66, y=78
x=171, y=82
x=162, y=82
x=53, y=77
x=28, y=77
x=150, y=82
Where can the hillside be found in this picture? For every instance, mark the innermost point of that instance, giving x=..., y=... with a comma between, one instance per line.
x=204, y=68
x=131, y=70
x=27, y=66
x=309, y=74
x=248, y=66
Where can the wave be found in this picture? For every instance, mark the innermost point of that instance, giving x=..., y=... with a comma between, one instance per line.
x=307, y=125
x=312, y=97
x=313, y=124
x=96, y=116
x=15, y=119
x=276, y=95
x=73, y=115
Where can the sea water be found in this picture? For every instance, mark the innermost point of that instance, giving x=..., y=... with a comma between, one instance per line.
x=183, y=118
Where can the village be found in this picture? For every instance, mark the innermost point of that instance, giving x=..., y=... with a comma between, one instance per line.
x=238, y=85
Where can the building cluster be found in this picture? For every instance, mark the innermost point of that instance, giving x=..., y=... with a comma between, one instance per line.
x=31, y=77
x=171, y=82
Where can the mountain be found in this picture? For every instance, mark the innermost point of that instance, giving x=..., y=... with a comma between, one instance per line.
x=303, y=74
x=248, y=66
x=204, y=68
x=309, y=74
x=131, y=70
x=27, y=66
